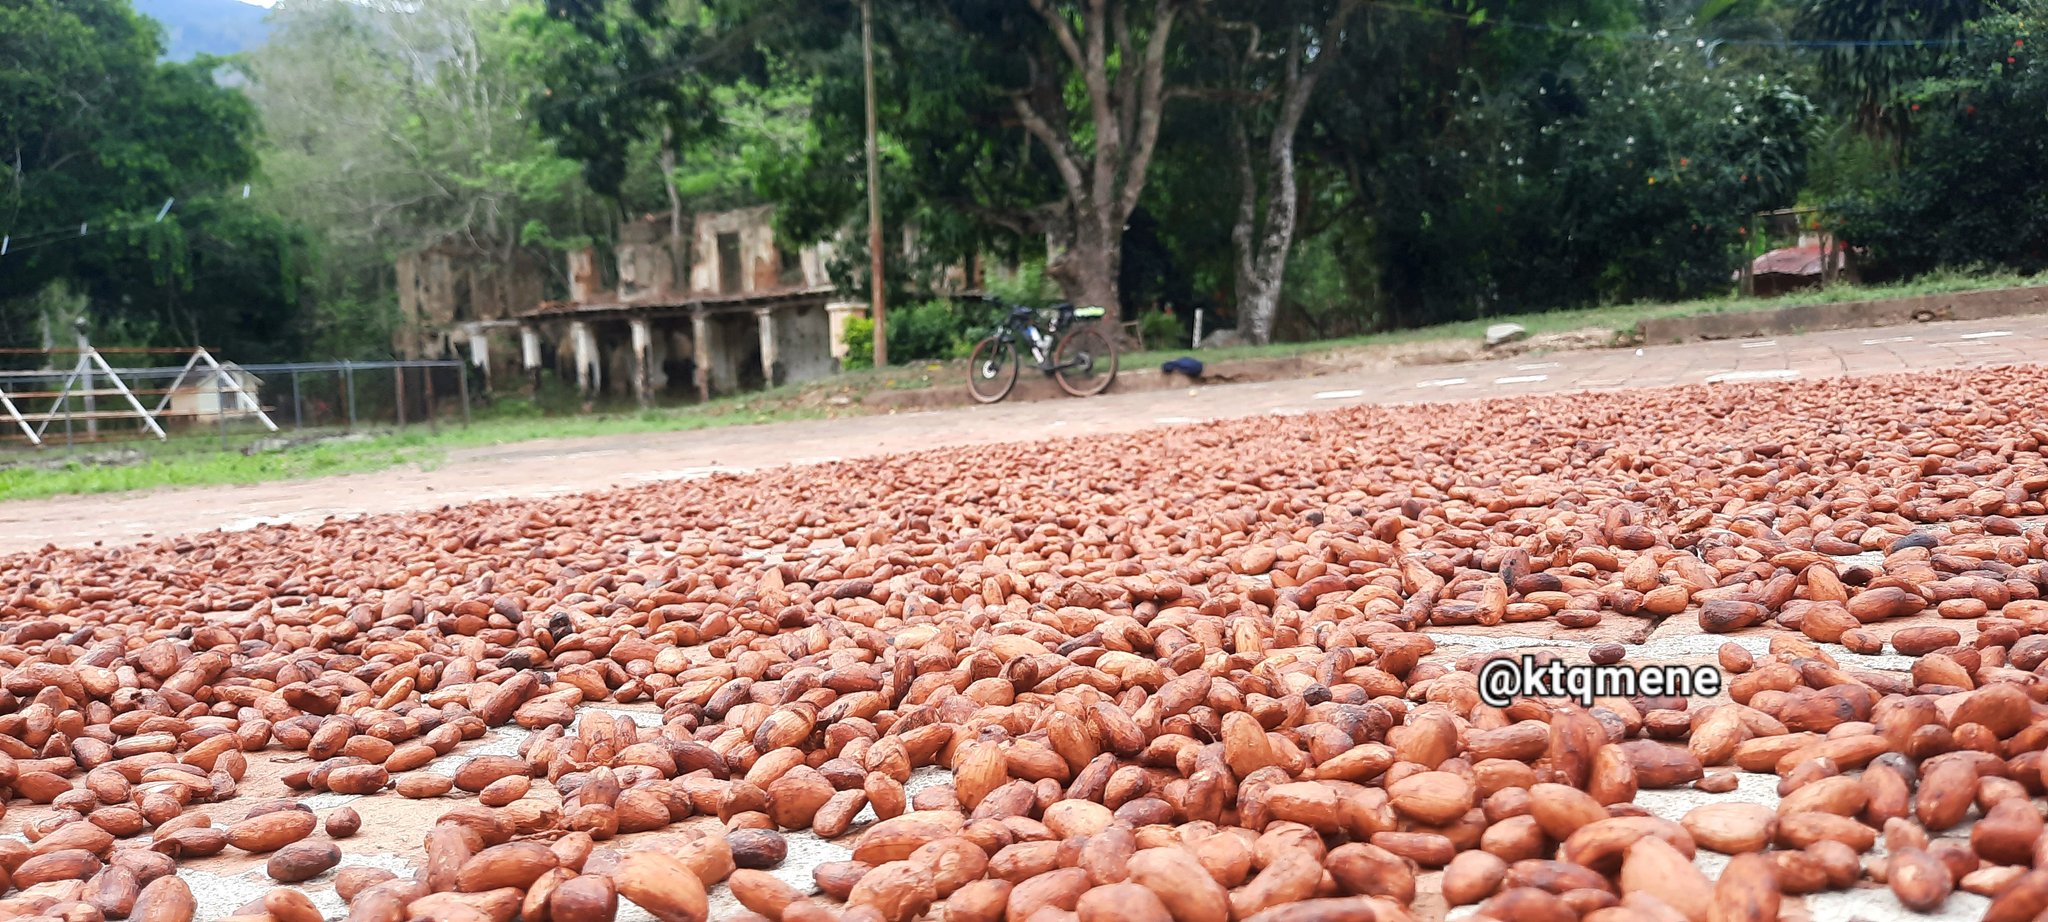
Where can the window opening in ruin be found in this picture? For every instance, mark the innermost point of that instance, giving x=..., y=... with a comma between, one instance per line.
x=728, y=263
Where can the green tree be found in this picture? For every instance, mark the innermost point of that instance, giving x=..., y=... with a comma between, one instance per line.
x=1875, y=48
x=227, y=275
x=391, y=130
x=1287, y=50
x=1031, y=122
x=1974, y=194
x=1650, y=192
x=97, y=131
x=954, y=166
x=1406, y=136
x=613, y=75
x=1491, y=169
x=1088, y=83
x=760, y=125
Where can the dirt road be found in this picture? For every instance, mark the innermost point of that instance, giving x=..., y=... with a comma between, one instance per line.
x=554, y=467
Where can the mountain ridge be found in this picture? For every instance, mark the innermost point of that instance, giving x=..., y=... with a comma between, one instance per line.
x=218, y=27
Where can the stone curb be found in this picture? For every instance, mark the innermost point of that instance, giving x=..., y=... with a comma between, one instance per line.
x=1843, y=315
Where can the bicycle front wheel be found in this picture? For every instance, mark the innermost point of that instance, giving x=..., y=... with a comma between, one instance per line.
x=1084, y=361
x=992, y=370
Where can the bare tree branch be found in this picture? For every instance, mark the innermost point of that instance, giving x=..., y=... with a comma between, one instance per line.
x=1327, y=218
x=1061, y=32
x=1021, y=225
x=1127, y=76
x=1055, y=144
x=1301, y=85
x=1221, y=94
x=1152, y=95
x=1095, y=76
x=1247, y=207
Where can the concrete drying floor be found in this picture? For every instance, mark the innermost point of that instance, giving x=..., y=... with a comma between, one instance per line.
x=393, y=827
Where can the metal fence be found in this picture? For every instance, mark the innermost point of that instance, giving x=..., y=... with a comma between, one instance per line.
x=349, y=394
x=102, y=402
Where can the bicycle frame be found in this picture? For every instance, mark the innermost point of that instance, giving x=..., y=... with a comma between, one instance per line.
x=1049, y=339
x=1021, y=326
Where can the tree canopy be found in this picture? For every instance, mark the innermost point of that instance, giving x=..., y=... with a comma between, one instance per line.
x=1296, y=168
x=97, y=135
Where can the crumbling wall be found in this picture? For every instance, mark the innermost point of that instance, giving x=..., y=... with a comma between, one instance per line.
x=817, y=260
x=760, y=261
x=764, y=263
x=493, y=349
x=615, y=352
x=615, y=348
x=426, y=300
x=586, y=278
x=441, y=288
x=803, y=344
x=678, y=356
x=657, y=361
x=837, y=314
x=559, y=350
x=648, y=265
x=504, y=287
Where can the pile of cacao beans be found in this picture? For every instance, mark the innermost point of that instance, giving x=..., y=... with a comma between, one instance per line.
x=1189, y=674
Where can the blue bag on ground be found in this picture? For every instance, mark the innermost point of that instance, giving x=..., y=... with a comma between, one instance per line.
x=1183, y=365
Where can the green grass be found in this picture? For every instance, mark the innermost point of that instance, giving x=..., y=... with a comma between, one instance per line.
x=207, y=467
x=1618, y=318
x=766, y=407
x=196, y=459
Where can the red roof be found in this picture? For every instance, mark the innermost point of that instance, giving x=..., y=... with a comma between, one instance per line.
x=1791, y=261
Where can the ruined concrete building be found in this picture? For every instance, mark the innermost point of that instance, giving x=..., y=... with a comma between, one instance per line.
x=722, y=310
x=453, y=299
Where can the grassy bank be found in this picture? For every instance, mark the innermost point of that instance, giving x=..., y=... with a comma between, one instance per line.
x=1621, y=319
x=197, y=458
x=175, y=465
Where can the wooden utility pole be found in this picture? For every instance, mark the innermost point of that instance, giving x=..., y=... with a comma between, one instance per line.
x=867, y=57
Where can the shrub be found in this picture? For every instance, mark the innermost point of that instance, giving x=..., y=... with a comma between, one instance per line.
x=1027, y=286
x=1972, y=188
x=1162, y=330
x=860, y=343
x=921, y=331
x=932, y=330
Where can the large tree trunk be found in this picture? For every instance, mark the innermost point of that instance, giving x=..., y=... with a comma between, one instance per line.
x=1259, y=299
x=1122, y=71
x=1085, y=259
x=1264, y=245
x=1247, y=225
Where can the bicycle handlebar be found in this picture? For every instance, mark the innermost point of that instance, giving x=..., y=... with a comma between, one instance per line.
x=995, y=299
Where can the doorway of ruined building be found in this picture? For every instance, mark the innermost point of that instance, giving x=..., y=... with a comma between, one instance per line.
x=739, y=335
x=614, y=341
x=733, y=349
x=677, y=359
x=729, y=263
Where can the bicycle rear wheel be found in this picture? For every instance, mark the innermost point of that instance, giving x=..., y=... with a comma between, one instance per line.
x=1084, y=361
x=992, y=370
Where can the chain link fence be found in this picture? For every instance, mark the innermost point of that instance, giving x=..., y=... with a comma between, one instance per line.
x=225, y=404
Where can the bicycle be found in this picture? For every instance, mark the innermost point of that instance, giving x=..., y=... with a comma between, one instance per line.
x=1073, y=351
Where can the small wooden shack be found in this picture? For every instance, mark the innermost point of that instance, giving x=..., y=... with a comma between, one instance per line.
x=203, y=392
